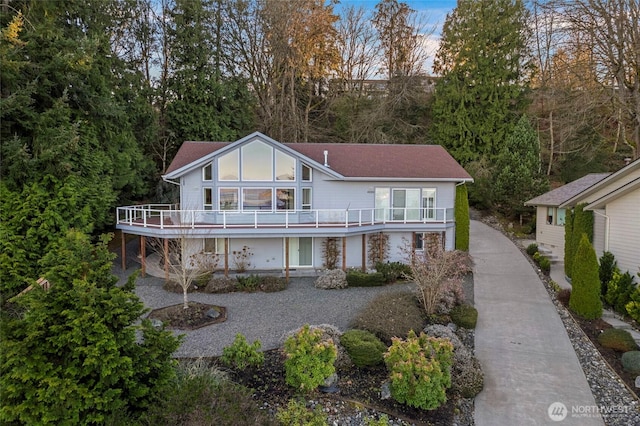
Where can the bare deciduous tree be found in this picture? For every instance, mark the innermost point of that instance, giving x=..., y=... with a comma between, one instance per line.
x=436, y=272
x=182, y=267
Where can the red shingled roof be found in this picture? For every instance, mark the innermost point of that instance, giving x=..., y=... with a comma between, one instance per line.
x=356, y=160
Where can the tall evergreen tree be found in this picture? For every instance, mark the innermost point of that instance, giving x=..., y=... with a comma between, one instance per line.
x=73, y=354
x=482, y=60
x=518, y=173
x=205, y=102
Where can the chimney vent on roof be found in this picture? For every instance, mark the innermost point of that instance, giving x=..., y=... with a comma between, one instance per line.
x=326, y=158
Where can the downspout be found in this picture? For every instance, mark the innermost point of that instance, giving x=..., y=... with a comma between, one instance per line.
x=606, y=229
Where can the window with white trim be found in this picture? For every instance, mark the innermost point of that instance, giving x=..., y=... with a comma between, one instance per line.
x=257, y=199
x=428, y=203
x=306, y=173
x=213, y=245
x=207, y=201
x=285, y=166
x=228, y=198
x=228, y=166
x=306, y=199
x=207, y=172
x=257, y=162
x=285, y=199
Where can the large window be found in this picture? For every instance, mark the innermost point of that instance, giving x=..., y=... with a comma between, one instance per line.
x=228, y=198
x=406, y=204
x=257, y=199
x=228, y=166
x=285, y=199
x=257, y=162
x=285, y=166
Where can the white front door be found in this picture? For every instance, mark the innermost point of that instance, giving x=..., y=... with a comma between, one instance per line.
x=300, y=252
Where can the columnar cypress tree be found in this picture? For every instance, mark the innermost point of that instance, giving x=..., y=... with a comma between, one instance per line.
x=582, y=224
x=462, y=218
x=585, y=294
x=568, y=240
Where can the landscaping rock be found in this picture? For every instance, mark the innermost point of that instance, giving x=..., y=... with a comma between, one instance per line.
x=331, y=279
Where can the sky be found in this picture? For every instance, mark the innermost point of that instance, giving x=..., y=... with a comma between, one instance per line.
x=434, y=12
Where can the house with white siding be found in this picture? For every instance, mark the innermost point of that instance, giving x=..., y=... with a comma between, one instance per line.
x=615, y=202
x=550, y=216
x=282, y=201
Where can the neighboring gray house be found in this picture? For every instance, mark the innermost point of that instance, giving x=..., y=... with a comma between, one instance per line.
x=283, y=200
x=550, y=215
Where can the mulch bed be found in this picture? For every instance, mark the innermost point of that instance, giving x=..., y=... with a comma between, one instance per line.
x=195, y=316
x=359, y=386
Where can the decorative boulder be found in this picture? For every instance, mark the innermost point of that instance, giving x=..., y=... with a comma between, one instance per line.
x=331, y=278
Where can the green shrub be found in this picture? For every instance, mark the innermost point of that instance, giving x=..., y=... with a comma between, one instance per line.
x=619, y=291
x=532, y=248
x=390, y=315
x=241, y=354
x=545, y=264
x=420, y=370
x=393, y=271
x=357, y=278
x=270, y=283
x=464, y=315
x=363, y=347
x=297, y=414
x=585, y=295
x=608, y=264
x=249, y=283
x=309, y=359
x=631, y=362
x=617, y=339
x=382, y=421
x=204, y=395
x=633, y=307
x=203, y=280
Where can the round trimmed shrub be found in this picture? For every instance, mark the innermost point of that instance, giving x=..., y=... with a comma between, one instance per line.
x=618, y=340
x=330, y=334
x=310, y=360
x=563, y=296
x=532, y=248
x=364, y=348
x=631, y=362
x=390, y=315
x=464, y=316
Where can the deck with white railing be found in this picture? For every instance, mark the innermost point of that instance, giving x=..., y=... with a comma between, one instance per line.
x=167, y=217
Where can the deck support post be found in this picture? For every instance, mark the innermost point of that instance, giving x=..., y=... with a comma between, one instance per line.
x=166, y=259
x=123, y=251
x=286, y=259
x=226, y=257
x=344, y=253
x=143, y=256
x=364, y=253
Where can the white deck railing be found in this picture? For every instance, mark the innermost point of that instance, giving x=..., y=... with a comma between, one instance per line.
x=166, y=216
